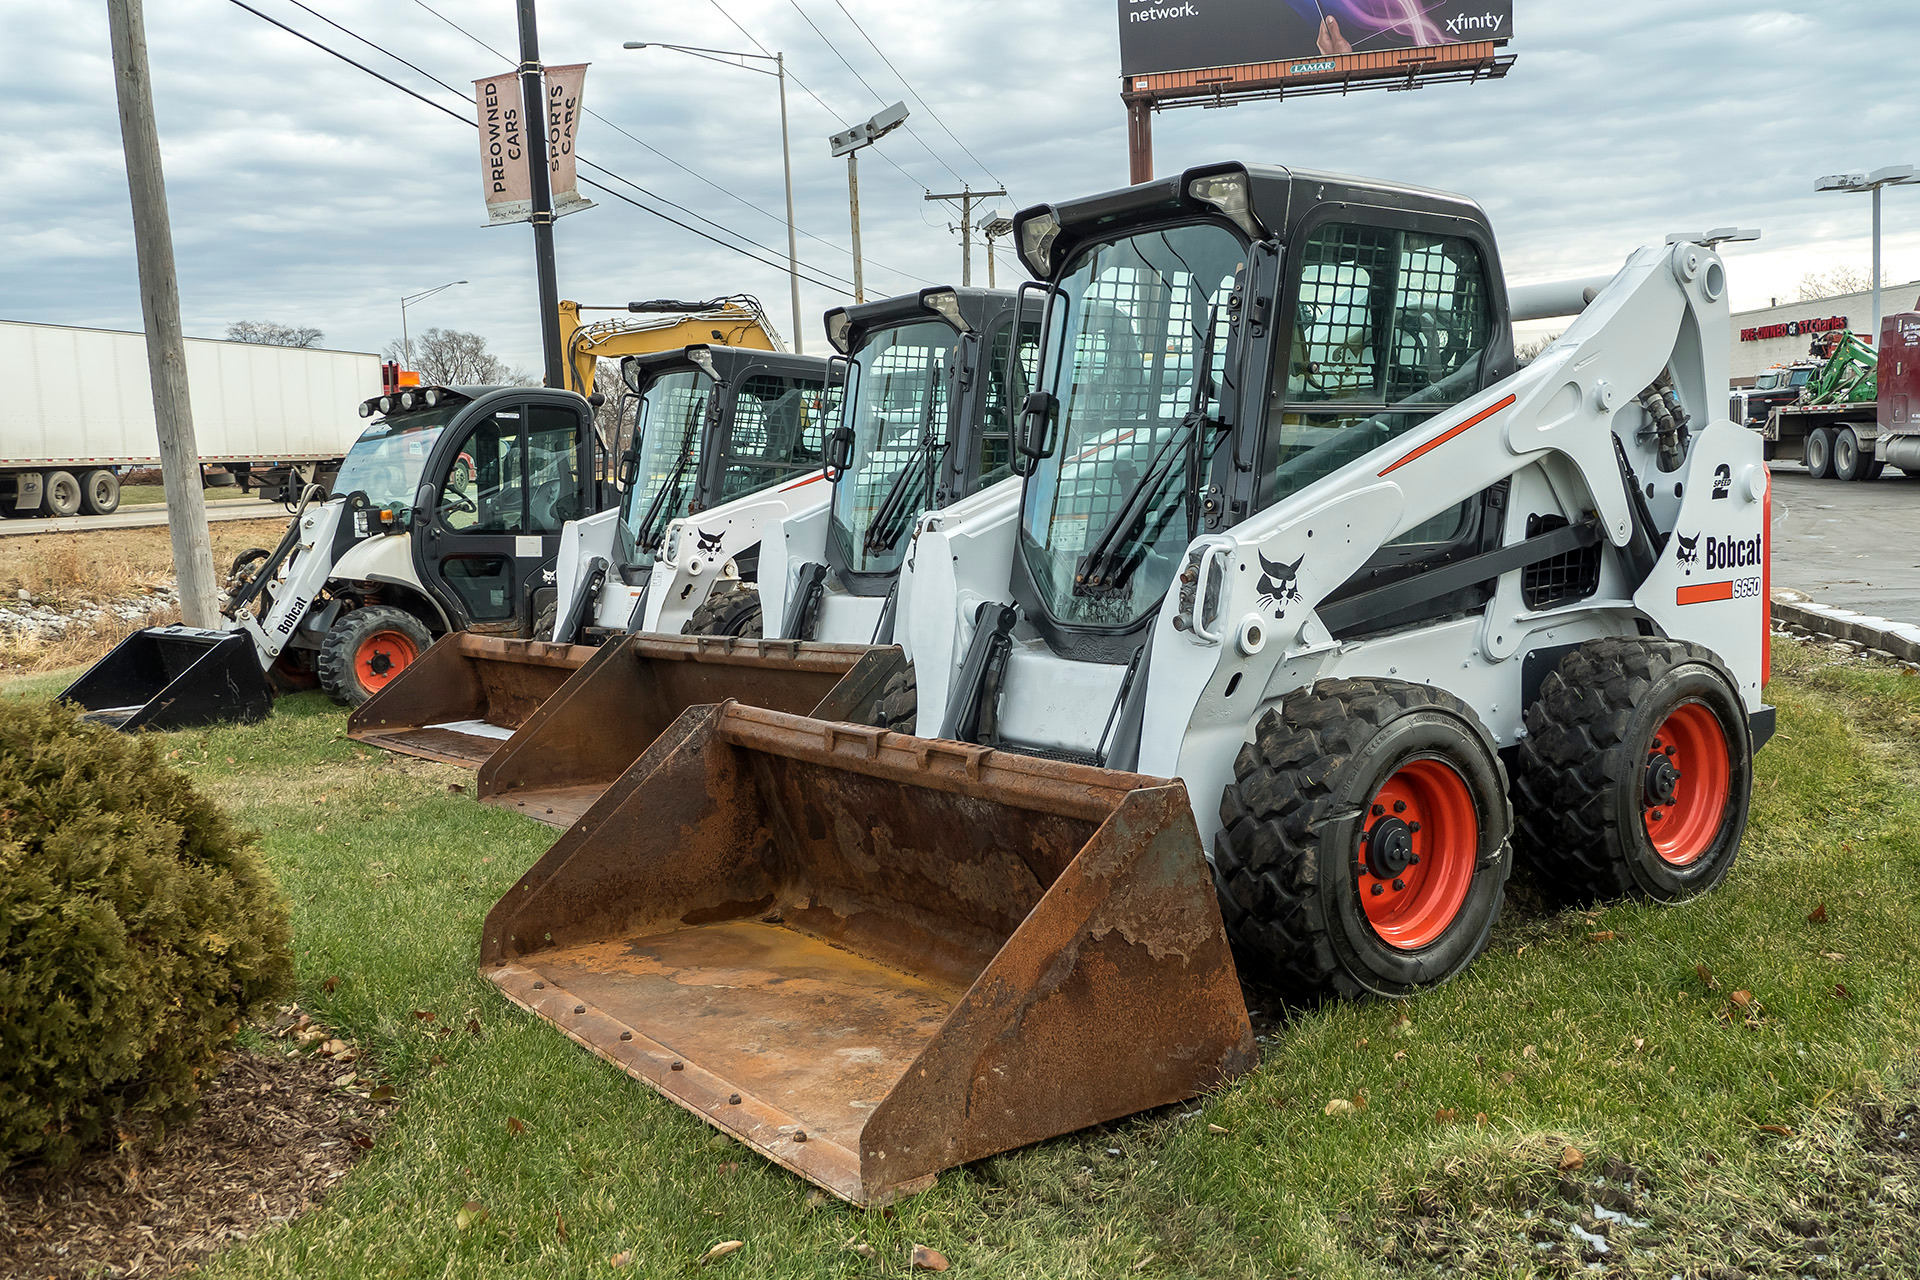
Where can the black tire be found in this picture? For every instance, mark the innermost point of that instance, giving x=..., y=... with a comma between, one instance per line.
x=732, y=610
x=100, y=492
x=898, y=706
x=1849, y=462
x=1819, y=453
x=1290, y=861
x=247, y=563
x=1875, y=470
x=1585, y=790
x=61, y=494
x=352, y=655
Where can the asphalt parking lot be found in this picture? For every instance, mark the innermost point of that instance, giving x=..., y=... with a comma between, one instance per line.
x=1852, y=545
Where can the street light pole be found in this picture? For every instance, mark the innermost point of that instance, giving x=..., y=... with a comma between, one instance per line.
x=406, y=343
x=848, y=143
x=779, y=61
x=1897, y=175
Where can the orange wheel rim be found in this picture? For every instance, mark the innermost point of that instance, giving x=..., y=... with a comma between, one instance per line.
x=382, y=656
x=1687, y=783
x=1417, y=853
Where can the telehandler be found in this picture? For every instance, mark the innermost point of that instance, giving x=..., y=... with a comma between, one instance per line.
x=1305, y=571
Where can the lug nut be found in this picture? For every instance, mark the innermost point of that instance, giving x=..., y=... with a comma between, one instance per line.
x=733, y=1100
x=1656, y=815
x=1378, y=888
x=626, y=1035
x=799, y=1135
x=579, y=1008
x=1413, y=826
x=1379, y=810
x=1413, y=860
x=679, y=1066
x=1398, y=885
x=1399, y=806
x=1672, y=751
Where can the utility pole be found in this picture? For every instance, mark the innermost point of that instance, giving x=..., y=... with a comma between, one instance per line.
x=793, y=252
x=534, y=96
x=853, y=210
x=993, y=227
x=966, y=197
x=160, y=305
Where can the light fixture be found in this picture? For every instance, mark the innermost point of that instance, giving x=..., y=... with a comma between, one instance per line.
x=1231, y=194
x=945, y=303
x=1038, y=229
x=839, y=329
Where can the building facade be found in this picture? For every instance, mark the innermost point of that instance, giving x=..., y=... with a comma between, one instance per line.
x=1784, y=333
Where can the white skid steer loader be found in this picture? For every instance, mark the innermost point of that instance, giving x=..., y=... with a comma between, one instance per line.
x=1305, y=571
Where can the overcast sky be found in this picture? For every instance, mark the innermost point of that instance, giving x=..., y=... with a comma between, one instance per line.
x=304, y=191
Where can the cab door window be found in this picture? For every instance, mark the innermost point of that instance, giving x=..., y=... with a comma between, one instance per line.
x=1010, y=374
x=485, y=488
x=1388, y=329
x=553, y=468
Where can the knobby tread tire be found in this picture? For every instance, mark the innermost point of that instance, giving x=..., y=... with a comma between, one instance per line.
x=733, y=609
x=898, y=707
x=335, y=662
x=1578, y=744
x=1267, y=857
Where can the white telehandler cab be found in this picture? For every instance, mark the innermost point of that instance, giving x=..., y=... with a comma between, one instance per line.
x=1305, y=572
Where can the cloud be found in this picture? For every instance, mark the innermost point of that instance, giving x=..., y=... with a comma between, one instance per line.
x=304, y=191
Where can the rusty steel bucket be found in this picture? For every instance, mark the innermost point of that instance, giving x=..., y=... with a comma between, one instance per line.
x=463, y=698
x=871, y=956
x=586, y=735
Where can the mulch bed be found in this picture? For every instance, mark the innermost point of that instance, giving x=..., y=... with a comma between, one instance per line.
x=273, y=1136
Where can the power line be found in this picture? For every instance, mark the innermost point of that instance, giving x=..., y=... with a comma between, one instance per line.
x=877, y=96
x=831, y=283
x=915, y=93
x=832, y=112
x=691, y=172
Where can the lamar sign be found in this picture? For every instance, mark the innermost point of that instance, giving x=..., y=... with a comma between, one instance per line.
x=1184, y=35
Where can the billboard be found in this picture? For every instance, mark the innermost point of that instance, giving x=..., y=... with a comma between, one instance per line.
x=1182, y=35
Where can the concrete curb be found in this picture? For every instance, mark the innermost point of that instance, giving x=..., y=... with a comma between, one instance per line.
x=1898, y=640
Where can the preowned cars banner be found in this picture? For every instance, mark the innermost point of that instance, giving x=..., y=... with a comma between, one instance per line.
x=1181, y=35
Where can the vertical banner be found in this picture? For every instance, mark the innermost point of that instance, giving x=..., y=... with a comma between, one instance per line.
x=503, y=149
x=564, y=85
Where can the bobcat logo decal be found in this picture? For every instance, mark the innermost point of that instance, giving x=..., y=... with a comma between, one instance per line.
x=1687, y=551
x=709, y=542
x=1279, y=584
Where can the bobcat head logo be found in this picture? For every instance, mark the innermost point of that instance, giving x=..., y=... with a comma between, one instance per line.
x=1279, y=584
x=709, y=542
x=1688, y=551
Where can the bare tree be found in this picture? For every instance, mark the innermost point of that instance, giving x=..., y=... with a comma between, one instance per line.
x=1816, y=285
x=1527, y=352
x=451, y=358
x=273, y=334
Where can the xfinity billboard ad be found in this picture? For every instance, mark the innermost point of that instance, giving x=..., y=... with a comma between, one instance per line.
x=1180, y=35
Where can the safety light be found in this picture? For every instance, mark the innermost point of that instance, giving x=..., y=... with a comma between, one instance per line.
x=406, y=401
x=1229, y=193
x=945, y=303
x=839, y=329
x=386, y=404
x=702, y=359
x=433, y=397
x=366, y=408
x=1038, y=231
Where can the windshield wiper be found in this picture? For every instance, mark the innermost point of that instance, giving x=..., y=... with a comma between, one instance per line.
x=1104, y=569
x=648, y=539
x=893, y=516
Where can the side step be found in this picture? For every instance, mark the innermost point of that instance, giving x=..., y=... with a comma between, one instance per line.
x=585, y=736
x=871, y=956
x=465, y=696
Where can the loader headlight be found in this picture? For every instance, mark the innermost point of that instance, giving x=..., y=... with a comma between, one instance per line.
x=406, y=400
x=432, y=397
x=366, y=408
x=945, y=303
x=386, y=404
x=1230, y=194
x=1038, y=231
x=839, y=329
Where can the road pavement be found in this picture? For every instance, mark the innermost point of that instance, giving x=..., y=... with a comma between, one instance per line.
x=1852, y=545
x=146, y=514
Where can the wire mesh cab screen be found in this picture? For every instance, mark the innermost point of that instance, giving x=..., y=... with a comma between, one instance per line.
x=779, y=430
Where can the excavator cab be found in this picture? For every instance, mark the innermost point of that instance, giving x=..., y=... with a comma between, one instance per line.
x=710, y=423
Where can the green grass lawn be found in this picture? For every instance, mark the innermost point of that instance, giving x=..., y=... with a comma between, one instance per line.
x=1592, y=1030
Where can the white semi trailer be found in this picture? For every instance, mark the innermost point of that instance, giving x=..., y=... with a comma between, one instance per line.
x=79, y=410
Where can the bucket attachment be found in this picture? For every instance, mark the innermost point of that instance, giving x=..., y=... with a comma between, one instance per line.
x=588, y=733
x=871, y=956
x=465, y=696
x=175, y=678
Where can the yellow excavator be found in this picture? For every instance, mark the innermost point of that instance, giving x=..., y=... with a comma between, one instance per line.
x=660, y=325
